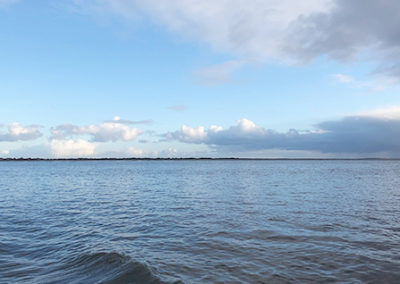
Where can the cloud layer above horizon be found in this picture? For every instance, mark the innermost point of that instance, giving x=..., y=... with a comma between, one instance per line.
x=350, y=135
x=373, y=132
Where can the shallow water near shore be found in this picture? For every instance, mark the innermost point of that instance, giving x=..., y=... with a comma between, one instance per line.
x=199, y=221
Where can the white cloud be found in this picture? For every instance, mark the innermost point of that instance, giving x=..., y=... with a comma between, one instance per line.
x=377, y=84
x=264, y=30
x=17, y=132
x=245, y=125
x=4, y=152
x=189, y=134
x=215, y=128
x=254, y=29
x=217, y=73
x=342, y=78
x=72, y=148
x=132, y=151
x=390, y=113
x=114, y=130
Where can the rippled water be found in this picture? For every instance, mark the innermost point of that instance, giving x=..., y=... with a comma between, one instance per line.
x=200, y=221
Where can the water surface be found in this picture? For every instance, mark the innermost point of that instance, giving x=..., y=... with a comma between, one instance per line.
x=199, y=221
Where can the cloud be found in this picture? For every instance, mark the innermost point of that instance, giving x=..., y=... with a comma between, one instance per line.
x=342, y=78
x=114, y=130
x=132, y=151
x=191, y=135
x=4, y=152
x=264, y=30
x=178, y=108
x=250, y=29
x=375, y=132
x=377, y=84
x=72, y=148
x=347, y=30
x=17, y=132
x=217, y=73
x=118, y=119
x=388, y=113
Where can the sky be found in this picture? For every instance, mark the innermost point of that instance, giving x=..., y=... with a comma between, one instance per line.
x=200, y=78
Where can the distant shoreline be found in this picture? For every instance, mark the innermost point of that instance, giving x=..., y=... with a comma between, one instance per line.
x=197, y=159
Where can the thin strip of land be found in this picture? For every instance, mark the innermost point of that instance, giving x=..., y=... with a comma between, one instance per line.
x=192, y=159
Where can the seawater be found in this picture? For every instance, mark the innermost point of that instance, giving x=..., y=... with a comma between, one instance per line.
x=200, y=221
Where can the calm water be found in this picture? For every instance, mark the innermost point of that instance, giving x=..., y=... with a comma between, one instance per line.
x=200, y=222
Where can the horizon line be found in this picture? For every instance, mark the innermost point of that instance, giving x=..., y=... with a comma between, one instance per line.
x=193, y=158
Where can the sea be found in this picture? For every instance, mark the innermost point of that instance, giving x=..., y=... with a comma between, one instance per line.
x=200, y=221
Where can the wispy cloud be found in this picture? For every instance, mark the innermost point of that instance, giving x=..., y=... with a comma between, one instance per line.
x=254, y=29
x=217, y=73
x=178, y=108
x=377, y=84
x=342, y=78
x=285, y=30
x=118, y=119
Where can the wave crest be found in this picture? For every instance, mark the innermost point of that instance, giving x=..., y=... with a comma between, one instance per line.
x=107, y=267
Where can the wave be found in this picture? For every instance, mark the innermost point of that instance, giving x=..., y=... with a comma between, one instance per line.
x=104, y=267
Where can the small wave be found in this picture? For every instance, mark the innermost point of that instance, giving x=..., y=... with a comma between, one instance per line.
x=104, y=267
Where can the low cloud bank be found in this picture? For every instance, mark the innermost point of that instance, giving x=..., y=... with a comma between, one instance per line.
x=374, y=133
x=72, y=148
x=361, y=134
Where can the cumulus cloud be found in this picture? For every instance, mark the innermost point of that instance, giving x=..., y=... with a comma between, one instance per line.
x=17, y=132
x=72, y=148
x=358, y=134
x=112, y=130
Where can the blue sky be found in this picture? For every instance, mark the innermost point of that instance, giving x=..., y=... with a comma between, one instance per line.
x=123, y=78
